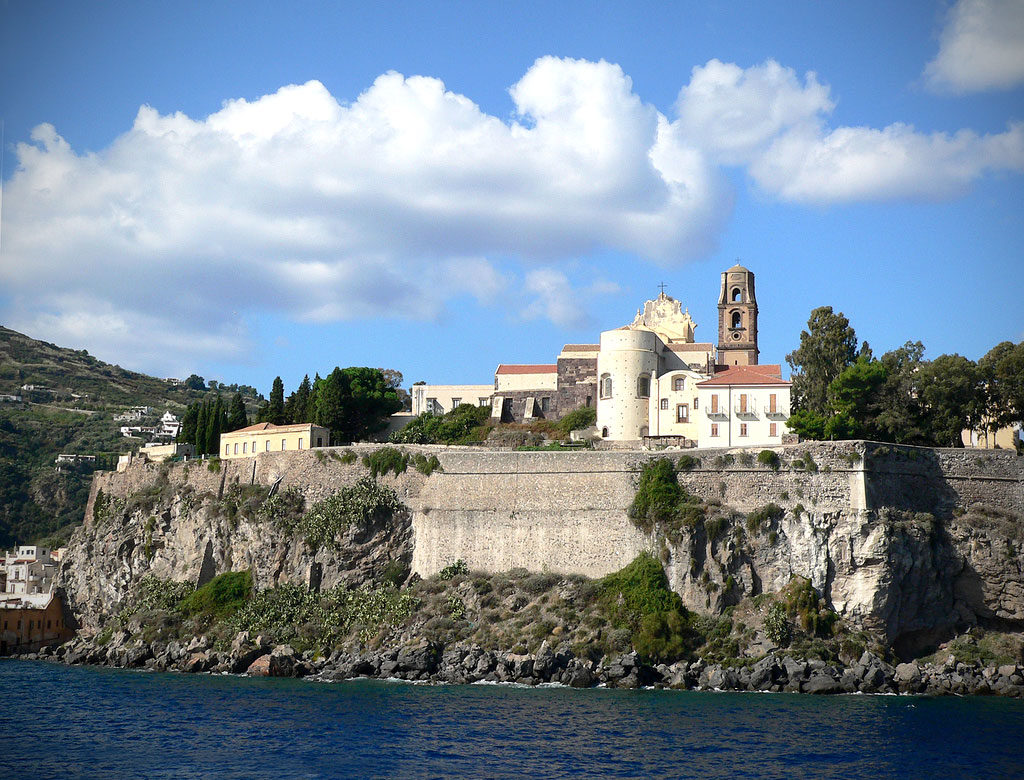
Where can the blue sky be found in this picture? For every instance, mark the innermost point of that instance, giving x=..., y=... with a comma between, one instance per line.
x=247, y=190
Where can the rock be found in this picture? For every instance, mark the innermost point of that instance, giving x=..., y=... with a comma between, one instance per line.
x=419, y=657
x=821, y=683
x=197, y=662
x=1007, y=670
x=577, y=675
x=282, y=661
x=908, y=672
x=260, y=667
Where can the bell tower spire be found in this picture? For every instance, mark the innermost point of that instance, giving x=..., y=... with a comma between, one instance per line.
x=737, y=319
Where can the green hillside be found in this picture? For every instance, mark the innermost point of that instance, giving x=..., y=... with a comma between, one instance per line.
x=72, y=413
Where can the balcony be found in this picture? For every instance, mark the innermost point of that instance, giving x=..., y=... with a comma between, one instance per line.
x=745, y=413
x=719, y=414
x=775, y=414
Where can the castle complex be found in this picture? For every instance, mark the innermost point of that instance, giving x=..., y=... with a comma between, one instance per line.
x=649, y=380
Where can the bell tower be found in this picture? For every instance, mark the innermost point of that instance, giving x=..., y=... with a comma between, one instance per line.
x=737, y=319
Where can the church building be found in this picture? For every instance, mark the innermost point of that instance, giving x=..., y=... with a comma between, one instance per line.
x=650, y=380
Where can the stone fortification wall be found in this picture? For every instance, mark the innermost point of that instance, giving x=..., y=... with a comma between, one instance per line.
x=904, y=540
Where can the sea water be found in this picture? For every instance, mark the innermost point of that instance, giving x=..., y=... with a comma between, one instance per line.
x=82, y=722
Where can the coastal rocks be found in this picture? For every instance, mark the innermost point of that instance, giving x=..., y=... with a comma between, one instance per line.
x=427, y=661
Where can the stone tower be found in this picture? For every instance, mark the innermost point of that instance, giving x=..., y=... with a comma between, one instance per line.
x=737, y=319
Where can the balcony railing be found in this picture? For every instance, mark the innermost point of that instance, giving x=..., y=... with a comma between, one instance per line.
x=776, y=413
x=748, y=411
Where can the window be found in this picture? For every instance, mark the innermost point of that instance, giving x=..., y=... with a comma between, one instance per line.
x=236, y=448
x=227, y=449
x=253, y=450
x=300, y=442
x=773, y=404
x=485, y=401
x=664, y=403
x=695, y=402
x=590, y=400
x=644, y=431
x=714, y=429
x=743, y=429
x=737, y=295
x=433, y=407
x=682, y=413
x=679, y=383
x=456, y=402
x=245, y=447
x=606, y=386
x=643, y=386
x=737, y=320
x=545, y=404
x=714, y=404
x=268, y=445
x=604, y=433
x=773, y=429
x=319, y=441
x=743, y=403
x=282, y=445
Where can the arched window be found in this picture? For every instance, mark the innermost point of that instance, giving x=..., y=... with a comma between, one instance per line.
x=643, y=386
x=604, y=433
x=737, y=295
x=679, y=383
x=737, y=319
x=606, y=385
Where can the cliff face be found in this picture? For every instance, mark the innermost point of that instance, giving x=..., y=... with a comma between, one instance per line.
x=189, y=524
x=912, y=544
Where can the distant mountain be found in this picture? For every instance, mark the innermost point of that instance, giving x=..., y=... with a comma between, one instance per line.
x=69, y=400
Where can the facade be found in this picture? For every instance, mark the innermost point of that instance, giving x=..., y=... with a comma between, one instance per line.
x=1008, y=438
x=651, y=379
x=439, y=399
x=745, y=405
x=267, y=437
x=29, y=570
x=31, y=612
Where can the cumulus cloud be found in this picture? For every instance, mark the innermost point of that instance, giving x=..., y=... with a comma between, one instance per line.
x=981, y=47
x=775, y=124
x=553, y=297
x=411, y=196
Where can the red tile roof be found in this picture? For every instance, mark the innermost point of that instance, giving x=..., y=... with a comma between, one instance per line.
x=694, y=347
x=265, y=426
x=581, y=348
x=746, y=375
x=532, y=368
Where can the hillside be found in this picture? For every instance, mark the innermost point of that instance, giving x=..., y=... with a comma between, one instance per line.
x=71, y=410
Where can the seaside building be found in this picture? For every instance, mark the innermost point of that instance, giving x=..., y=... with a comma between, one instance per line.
x=650, y=381
x=267, y=437
x=31, y=611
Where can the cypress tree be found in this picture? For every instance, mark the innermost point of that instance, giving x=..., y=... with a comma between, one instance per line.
x=199, y=438
x=276, y=411
x=187, y=435
x=237, y=418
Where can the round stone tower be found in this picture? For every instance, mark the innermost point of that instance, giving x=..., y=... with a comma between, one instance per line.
x=627, y=366
x=737, y=319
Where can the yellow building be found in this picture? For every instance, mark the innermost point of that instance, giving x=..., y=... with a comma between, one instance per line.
x=267, y=437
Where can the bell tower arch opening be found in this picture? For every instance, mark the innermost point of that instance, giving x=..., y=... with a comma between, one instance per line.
x=737, y=319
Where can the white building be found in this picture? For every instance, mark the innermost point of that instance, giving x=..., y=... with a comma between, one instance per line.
x=30, y=571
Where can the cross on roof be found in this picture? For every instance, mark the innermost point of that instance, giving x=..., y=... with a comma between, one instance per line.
x=662, y=288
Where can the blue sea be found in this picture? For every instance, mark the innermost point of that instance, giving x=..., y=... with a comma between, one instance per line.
x=80, y=722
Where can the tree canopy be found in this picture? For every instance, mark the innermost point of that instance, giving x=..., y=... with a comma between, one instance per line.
x=827, y=347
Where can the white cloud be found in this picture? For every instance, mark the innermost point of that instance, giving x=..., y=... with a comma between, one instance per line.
x=765, y=118
x=555, y=298
x=981, y=47
x=409, y=196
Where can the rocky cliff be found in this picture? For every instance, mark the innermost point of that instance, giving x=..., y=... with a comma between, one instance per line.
x=911, y=544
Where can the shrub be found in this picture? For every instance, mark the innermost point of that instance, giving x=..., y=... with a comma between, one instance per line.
x=769, y=458
x=776, y=625
x=284, y=509
x=213, y=465
x=722, y=461
x=347, y=457
x=658, y=494
x=386, y=459
x=396, y=572
x=536, y=584
x=767, y=514
x=156, y=593
x=453, y=569
x=456, y=607
x=714, y=527
x=424, y=465
x=220, y=597
x=687, y=463
x=361, y=504
x=455, y=427
x=577, y=420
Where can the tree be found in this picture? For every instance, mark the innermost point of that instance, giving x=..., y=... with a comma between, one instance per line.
x=216, y=423
x=952, y=390
x=328, y=404
x=195, y=382
x=297, y=407
x=189, y=420
x=202, y=418
x=275, y=411
x=853, y=400
x=827, y=347
x=354, y=402
x=394, y=378
x=237, y=417
x=900, y=416
x=1003, y=371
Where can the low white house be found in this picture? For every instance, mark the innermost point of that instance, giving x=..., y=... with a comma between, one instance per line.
x=744, y=406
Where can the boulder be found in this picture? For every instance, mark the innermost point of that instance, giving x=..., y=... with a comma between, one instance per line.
x=260, y=667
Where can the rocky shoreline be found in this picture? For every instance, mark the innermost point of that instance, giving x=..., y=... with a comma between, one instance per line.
x=464, y=664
